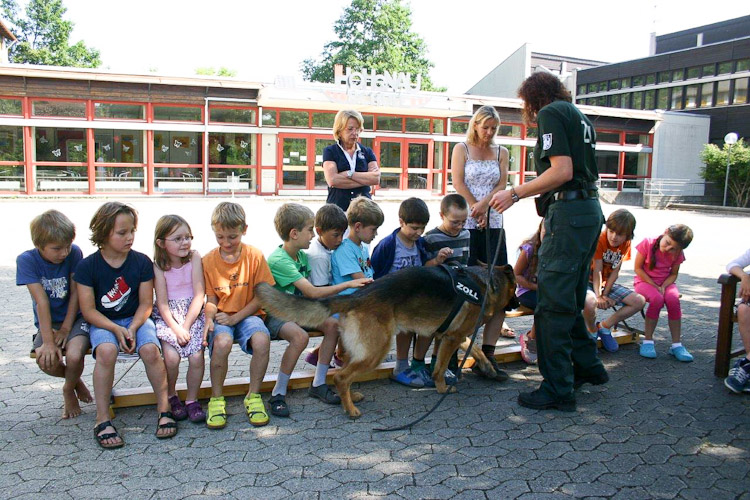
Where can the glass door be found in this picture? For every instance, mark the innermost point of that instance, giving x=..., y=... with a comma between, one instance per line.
x=419, y=160
x=294, y=166
x=319, y=181
x=390, y=163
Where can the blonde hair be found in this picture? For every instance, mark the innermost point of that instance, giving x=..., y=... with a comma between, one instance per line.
x=291, y=216
x=365, y=211
x=228, y=215
x=164, y=227
x=103, y=222
x=482, y=115
x=342, y=117
x=52, y=227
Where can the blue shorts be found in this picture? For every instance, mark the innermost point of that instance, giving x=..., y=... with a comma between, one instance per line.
x=146, y=334
x=617, y=293
x=242, y=331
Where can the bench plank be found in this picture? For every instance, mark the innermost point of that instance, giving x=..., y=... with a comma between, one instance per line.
x=727, y=318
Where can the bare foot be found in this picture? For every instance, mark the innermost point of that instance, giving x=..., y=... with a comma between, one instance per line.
x=71, y=408
x=83, y=392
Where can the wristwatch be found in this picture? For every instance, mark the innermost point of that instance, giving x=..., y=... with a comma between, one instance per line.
x=350, y=173
x=513, y=195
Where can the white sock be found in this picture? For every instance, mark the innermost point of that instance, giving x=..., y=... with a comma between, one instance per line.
x=281, y=382
x=321, y=370
x=675, y=345
x=648, y=341
x=401, y=365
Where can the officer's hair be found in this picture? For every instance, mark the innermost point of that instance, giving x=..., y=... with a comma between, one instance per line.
x=414, y=211
x=291, y=216
x=52, y=227
x=538, y=90
x=342, y=117
x=103, y=222
x=365, y=211
x=622, y=222
x=453, y=200
x=228, y=215
x=482, y=115
x=330, y=216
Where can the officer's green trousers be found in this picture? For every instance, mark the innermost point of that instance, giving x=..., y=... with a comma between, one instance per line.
x=563, y=343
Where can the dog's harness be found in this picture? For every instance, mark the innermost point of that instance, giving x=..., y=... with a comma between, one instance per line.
x=465, y=288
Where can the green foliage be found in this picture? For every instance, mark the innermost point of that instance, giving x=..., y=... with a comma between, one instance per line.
x=715, y=169
x=373, y=34
x=44, y=36
x=210, y=71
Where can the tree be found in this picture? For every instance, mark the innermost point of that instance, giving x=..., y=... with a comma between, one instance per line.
x=44, y=36
x=373, y=34
x=715, y=169
x=212, y=71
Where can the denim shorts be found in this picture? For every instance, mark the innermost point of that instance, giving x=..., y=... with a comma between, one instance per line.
x=146, y=334
x=242, y=331
x=80, y=328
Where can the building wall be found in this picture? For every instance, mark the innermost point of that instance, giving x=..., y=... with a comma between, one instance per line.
x=708, y=34
x=678, y=141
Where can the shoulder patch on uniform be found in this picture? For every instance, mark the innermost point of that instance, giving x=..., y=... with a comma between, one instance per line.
x=546, y=141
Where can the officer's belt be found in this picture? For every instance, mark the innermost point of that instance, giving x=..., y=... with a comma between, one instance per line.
x=465, y=288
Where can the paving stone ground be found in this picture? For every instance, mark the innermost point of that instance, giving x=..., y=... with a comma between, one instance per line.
x=658, y=429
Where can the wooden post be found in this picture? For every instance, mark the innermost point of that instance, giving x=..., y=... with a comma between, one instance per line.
x=726, y=324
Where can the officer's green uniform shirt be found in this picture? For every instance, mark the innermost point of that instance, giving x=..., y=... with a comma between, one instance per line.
x=286, y=270
x=564, y=131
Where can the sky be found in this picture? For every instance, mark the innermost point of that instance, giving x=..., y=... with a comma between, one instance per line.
x=466, y=39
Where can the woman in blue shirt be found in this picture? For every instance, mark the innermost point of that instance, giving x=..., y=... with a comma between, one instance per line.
x=349, y=167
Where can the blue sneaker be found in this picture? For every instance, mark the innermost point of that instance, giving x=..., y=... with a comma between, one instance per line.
x=424, y=375
x=648, y=351
x=608, y=341
x=450, y=378
x=681, y=354
x=738, y=379
x=409, y=378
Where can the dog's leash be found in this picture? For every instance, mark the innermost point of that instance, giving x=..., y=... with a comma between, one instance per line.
x=477, y=325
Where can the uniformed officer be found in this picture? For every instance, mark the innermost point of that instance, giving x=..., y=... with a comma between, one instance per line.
x=565, y=161
x=349, y=167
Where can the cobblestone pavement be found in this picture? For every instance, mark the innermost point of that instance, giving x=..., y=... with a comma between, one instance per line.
x=659, y=429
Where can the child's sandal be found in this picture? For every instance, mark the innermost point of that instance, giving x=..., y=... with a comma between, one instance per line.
x=256, y=410
x=278, y=406
x=170, y=426
x=110, y=435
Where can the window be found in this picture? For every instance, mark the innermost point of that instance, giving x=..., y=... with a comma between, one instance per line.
x=602, y=86
x=677, y=75
x=509, y=131
x=664, y=76
x=269, y=118
x=368, y=121
x=11, y=107
x=601, y=101
x=662, y=99
x=625, y=83
x=725, y=68
x=323, y=120
x=707, y=95
x=60, y=144
x=614, y=100
x=649, y=100
x=119, y=111
x=709, y=70
x=636, y=139
x=582, y=89
x=694, y=72
x=611, y=137
x=11, y=144
x=740, y=91
x=593, y=87
x=231, y=149
x=742, y=65
x=625, y=101
x=722, y=93
x=637, y=100
x=419, y=125
x=178, y=147
x=232, y=115
x=614, y=84
x=638, y=81
x=178, y=113
x=691, y=96
x=459, y=127
x=294, y=119
x=118, y=146
x=650, y=79
x=392, y=123
x=636, y=164
x=676, y=98
x=62, y=109
x=437, y=127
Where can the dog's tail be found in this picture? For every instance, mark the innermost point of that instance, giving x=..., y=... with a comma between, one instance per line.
x=287, y=307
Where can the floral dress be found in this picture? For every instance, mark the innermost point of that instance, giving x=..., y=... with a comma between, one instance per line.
x=480, y=177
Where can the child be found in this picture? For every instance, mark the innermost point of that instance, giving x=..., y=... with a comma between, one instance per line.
x=739, y=376
x=526, y=275
x=231, y=272
x=290, y=269
x=656, y=267
x=115, y=289
x=351, y=260
x=404, y=247
x=47, y=272
x=612, y=250
x=178, y=312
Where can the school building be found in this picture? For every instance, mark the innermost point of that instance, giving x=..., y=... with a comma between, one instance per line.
x=70, y=131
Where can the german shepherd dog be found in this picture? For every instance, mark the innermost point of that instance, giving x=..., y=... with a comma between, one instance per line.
x=415, y=299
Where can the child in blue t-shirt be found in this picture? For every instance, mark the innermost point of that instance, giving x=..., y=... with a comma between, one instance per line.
x=47, y=272
x=351, y=260
x=115, y=290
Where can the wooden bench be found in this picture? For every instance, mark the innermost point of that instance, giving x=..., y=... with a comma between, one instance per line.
x=727, y=319
x=302, y=378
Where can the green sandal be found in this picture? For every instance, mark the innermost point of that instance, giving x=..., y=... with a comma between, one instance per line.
x=217, y=413
x=256, y=410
